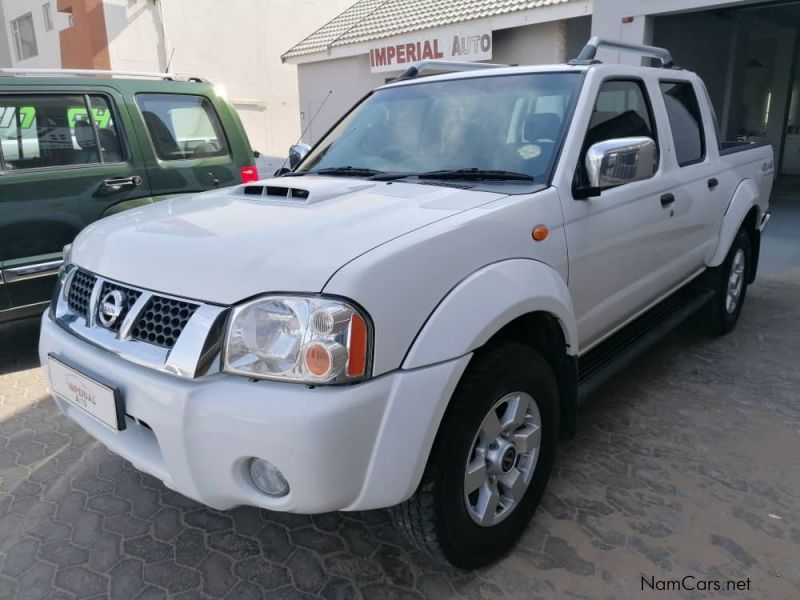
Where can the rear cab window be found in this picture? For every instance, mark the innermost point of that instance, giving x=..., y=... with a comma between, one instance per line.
x=685, y=121
x=182, y=126
x=54, y=130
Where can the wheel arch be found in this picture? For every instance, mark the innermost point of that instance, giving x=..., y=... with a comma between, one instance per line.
x=743, y=212
x=528, y=302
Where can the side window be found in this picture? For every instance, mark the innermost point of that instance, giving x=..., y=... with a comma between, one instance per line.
x=46, y=131
x=182, y=126
x=621, y=110
x=685, y=121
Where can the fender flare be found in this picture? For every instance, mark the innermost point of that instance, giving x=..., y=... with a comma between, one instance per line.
x=744, y=199
x=490, y=298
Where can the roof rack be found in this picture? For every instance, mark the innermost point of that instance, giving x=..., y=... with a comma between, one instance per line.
x=96, y=73
x=586, y=56
x=447, y=66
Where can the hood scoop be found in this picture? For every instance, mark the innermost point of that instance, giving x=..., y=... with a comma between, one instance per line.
x=313, y=190
x=275, y=192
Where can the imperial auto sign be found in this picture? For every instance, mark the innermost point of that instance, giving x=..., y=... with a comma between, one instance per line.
x=450, y=43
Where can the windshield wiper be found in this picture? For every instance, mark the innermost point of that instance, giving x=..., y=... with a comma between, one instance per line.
x=347, y=171
x=475, y=174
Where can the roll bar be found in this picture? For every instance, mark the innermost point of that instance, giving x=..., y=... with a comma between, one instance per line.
x=586, y=56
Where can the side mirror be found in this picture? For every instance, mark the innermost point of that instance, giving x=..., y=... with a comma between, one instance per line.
x=619, y=161
x=297, y=153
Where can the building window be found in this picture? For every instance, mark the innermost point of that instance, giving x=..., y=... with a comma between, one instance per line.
x=71, y=20
x=24, y=37
x=48, y=17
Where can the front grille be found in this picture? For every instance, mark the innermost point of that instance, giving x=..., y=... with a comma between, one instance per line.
x=130, y=297
x=162, y=321
x=80, y=291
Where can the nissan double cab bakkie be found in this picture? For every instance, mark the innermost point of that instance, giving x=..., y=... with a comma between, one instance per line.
x=411, y=315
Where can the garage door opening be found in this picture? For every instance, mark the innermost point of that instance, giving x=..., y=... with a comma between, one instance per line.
x=749, y=58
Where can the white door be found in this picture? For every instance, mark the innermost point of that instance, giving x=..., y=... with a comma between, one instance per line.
x=701, y=196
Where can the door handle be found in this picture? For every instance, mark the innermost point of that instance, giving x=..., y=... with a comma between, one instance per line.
x=712, y=183
x=116, y=184
x=667, y=199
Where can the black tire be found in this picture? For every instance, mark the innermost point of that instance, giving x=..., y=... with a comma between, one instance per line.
x=436, y=519
x=720, y=319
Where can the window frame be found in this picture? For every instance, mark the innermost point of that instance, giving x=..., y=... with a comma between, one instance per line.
x=15, y=32
x=579, y=192
x=4, y=172
x=701, y=123
x=123, y=145
x=47, y=15
x=222, y=134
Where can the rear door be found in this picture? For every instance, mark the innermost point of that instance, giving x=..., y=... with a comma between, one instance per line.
x=59, y=171
x=188, y=150
x=702, y=191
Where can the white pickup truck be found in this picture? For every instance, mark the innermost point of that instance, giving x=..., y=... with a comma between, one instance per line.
x=410, y=317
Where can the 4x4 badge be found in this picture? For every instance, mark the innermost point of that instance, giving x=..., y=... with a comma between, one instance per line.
x=111, y=306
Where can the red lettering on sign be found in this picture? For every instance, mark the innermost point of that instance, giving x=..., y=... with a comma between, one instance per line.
x=390, y=54
x=436, y=52
x=411, y=52
x=426, y=50
x=380, y=57
x=401, y=54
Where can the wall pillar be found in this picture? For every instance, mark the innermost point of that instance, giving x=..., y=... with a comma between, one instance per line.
x=85, y=44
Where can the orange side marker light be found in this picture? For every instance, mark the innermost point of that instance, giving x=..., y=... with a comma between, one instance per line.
x=540, y=233
x=357, y=362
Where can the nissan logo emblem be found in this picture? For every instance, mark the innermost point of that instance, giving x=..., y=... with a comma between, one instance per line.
x=111, y=306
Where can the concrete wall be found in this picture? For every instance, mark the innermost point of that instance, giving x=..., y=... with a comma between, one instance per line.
x=47, y=42
x=543, y=43
x=85, y=44
x=329, y=88
x=5, y=47
x=135, y=35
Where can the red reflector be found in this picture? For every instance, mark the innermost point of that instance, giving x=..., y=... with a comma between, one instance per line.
x=627, y=19
x=249, y=174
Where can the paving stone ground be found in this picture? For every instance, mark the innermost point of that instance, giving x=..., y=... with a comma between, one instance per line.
x=686, y=465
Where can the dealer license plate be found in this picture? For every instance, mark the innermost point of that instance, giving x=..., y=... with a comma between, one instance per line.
x=96, y=399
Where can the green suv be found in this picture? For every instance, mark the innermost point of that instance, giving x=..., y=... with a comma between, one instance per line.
x=149, y=137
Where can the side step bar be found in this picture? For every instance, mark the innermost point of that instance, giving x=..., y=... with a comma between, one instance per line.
x=614, y=354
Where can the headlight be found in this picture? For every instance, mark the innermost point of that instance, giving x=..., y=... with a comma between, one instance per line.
x=303, y=339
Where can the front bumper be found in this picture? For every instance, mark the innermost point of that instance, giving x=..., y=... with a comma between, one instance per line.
x=340, y=448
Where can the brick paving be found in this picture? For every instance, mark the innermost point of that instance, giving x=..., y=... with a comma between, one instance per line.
x=685, y=465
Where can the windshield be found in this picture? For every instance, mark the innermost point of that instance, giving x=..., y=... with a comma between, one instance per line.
x=500, y=123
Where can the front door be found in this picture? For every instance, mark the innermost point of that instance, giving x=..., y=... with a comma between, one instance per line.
x=616, y=240
x=59, y=171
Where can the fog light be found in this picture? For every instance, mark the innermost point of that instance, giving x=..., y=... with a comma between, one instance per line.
x=268, y=478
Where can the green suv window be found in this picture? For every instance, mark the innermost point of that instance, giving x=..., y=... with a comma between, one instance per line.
x=182, y=126
x=55, y=131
